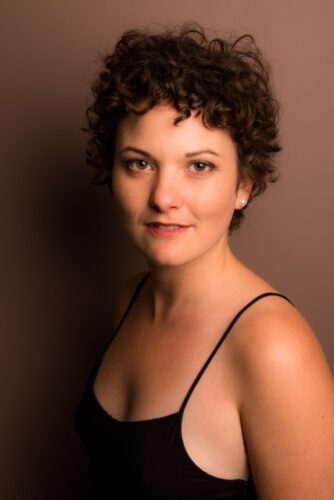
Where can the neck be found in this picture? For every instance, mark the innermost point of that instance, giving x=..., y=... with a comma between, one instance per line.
x=175, y=289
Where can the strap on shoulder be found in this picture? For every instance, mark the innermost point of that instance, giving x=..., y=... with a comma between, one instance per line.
x=221, y=340
x=132, y=301
x=99, y=359
x=126, y=312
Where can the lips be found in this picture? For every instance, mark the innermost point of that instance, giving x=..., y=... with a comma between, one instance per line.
x=161, y=229
x=171, y=226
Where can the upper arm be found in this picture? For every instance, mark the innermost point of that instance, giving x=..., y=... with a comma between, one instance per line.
x=287, y=408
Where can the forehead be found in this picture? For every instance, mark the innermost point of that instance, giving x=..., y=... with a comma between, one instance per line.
x=156, y=129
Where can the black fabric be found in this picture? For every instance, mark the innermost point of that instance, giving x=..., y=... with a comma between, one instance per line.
x=147, y=459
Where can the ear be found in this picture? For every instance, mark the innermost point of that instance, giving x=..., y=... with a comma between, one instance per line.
x=243, y=193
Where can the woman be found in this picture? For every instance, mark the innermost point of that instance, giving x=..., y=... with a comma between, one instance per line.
x=213, y=386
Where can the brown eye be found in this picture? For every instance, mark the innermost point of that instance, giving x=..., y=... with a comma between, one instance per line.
x=201, y=166
x=137, y=164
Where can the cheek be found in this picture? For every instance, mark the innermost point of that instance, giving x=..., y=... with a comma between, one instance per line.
x=126, y=205
x=216, y=203
x=128, y=201
x=121, y=192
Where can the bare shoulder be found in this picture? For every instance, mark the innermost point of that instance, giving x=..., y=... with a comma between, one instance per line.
x=286, y=402
x=273, y=333
x=124, y=295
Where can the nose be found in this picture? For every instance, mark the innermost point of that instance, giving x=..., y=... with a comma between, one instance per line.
x=166, y=192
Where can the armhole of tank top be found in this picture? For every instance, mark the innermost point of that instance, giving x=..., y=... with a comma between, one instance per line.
x=221, y=340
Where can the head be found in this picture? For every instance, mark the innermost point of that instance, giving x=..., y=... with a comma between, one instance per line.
x=226, y=84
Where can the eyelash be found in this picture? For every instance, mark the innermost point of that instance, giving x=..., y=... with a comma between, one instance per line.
x=207, y=164
x=128, y=163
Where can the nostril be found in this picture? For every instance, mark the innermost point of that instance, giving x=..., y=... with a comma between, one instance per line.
x=165, y=193
x=164, y=197
x=162, y=205
x=154, y=205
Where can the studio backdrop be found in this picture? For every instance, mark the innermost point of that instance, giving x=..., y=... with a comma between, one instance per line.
x=63, y=253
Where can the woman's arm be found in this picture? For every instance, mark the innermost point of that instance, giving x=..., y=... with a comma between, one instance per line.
x=287, y=406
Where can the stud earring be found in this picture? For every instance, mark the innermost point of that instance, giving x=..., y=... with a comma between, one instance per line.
x=243, y=202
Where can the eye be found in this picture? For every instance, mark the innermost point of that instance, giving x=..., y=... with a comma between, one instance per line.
x=137, y=164
x=201, y=166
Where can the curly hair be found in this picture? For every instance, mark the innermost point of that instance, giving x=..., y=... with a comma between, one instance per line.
x=227, y=82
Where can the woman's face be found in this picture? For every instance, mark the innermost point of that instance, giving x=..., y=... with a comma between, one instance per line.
x=175, y=186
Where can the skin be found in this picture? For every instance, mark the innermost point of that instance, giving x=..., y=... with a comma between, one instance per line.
x=170, y=187
x=266, y=400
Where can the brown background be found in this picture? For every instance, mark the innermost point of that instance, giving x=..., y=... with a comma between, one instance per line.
x=62, y=253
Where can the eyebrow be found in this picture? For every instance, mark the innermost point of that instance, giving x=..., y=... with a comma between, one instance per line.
x=145, y=153
x=136, y=150
x=195, y=153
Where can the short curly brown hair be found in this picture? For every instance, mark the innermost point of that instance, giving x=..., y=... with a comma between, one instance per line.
x=226, y=82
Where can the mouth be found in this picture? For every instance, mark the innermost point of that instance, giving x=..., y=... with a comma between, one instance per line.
x=160, y=229
x=171, y=226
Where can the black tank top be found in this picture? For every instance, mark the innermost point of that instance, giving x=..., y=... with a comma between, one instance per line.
x=147, y=459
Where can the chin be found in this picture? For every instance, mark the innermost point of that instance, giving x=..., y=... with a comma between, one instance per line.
x=164, y=261
x=163, y=258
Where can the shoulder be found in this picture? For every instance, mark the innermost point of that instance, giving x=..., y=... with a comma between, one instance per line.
x=286, y=401
x=124, y=295
x=273, y=334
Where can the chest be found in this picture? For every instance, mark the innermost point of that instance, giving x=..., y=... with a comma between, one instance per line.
x=147, y=373
x=149, y=366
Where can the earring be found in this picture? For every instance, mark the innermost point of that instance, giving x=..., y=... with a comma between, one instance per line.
x=243, y=202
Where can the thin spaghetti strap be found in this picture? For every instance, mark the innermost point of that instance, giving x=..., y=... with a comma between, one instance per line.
x=221, y=340
x=98, y=361
x=132, y=301
x=120, y=323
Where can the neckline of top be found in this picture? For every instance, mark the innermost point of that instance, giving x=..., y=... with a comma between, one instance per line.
x=200, y=372
x=108, y=415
